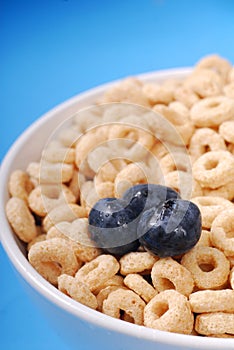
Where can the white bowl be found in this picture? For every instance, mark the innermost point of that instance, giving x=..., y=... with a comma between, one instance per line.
x=78, y=323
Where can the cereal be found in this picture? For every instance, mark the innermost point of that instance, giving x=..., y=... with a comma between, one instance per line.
x=20, y=185
x=209, y=267
x=169, y=311
x=140, y=286
x=169, y=274
x=21, y=219
x=125, y=300
x=203, y=140
x=136, y=262
x=98, y=271
x=217, y=64
x=77, y=290
x=214, y=169
x=226, y=129
x=64, y=212
x=212, y=301
x=184, y=139
x=212, y=111
x=215, y=323
x=222, y=232
x=52, y=258
x=44, y=198
x=205, y=82
x=210, y=207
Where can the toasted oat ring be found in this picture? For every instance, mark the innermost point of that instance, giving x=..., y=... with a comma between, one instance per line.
x=44, y=198
x=125, y=300
x=41, y=237
x=52, y=258
x=210, y=207
x=21, y=219
x=64, y=212
x=226, y=191
x=169, y=311
x=169, y=274
x=185, y=95
x=75, y=184
x=20, y=185
x=108, y=171
x=216, y=63
x=231, y=75
x=77, y=235
x=77, y=290
x=96, y=272
x=212, y=301
x=222, y=231
x=212, y=111
x=214, y=169
x=140, y=286
x=176, y=161
x=215, y=323
x=205, y=82
x=116, y=281
x=136, y=262
x=204, y=138
x=209, y=267
x=226, y=129
x=204, y=240
x=184, y=183
x=229, y=90
x=103, y=294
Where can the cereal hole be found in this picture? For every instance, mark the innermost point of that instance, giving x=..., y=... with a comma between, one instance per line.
x=214, y=104
x=160, y=308
x=212, y=164
x=166, y=283
x=207, y=263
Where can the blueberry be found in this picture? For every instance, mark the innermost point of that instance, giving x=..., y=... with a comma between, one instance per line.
x=113, y=227
x=143, y=197
x=170, y=230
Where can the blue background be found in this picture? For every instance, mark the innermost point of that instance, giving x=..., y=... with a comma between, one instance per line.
x=51, y=50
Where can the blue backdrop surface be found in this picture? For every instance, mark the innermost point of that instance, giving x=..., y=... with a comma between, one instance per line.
x=51, y=50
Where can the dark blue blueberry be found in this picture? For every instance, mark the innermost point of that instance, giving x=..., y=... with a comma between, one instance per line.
x=113, y=227
x=143, y=197
x=170, y=230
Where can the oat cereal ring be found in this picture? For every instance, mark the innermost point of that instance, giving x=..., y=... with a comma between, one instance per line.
x=232, y=278
x=222, y=231
x=231, y=75
x=140, y=286
x=229, y=90
x=214, y=169
x=215, y=323
x=183, y=183
x=159, y=150
x=169, y=274
x=205, y=82
x=226, y=191
x=169, y=311
x=64, y=212
x=209, y=267
x=231, y=260
x=128, y=90
x=57, y=154
x=77, y=290
x=96, y=272
x=226, y=129
x=216, y=63
x=20, y=185
x=105, y=190
x=212, y=111
x=203, y=140
x=210, y=207
x=78, y=236
x=156, y=93
x=116, y=281
x=44, y=198
x=178, y=114
x=21, y=219
x=136, y=262
x=127, y=301
x=41, y=237
x=103, y=294
x=131, y=175
x=186, y=95
x=212, y=301
x=52, y=258
x=69, y=136
x=108, y=171
x=175, y=161
x=76, y=183
x=205, y=240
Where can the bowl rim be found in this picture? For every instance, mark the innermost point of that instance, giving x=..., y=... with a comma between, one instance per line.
x=51, y=293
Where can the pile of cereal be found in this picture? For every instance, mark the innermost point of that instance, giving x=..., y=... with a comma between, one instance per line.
x=106, y=150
